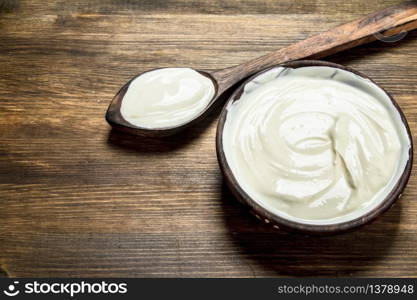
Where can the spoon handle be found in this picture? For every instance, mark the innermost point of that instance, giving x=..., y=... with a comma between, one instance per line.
x=379, y=25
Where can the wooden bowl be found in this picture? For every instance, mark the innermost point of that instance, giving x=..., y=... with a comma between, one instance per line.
x=280, y=222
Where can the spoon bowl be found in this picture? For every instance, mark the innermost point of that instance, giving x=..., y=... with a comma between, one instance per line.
x=116, y=120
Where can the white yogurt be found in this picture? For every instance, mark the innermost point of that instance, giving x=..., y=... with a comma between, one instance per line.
x=166, y=97
x=317, y=145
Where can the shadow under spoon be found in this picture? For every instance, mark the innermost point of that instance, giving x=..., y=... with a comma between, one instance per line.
x=379, y=25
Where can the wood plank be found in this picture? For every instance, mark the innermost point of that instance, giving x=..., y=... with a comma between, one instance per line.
x=77, y=199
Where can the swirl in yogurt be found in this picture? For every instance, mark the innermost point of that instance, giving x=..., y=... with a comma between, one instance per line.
x=166, y=97
x=314, y=143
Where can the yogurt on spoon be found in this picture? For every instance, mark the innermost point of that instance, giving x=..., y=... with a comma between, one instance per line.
x=166, y=97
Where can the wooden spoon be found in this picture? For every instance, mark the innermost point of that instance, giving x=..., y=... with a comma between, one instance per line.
x=385, y=23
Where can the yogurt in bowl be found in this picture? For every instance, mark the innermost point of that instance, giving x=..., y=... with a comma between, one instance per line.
x=314, y=147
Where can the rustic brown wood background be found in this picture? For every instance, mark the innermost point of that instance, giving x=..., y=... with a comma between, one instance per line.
x=77, y=199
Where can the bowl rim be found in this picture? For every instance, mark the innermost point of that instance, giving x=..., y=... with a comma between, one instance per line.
x=290, y=225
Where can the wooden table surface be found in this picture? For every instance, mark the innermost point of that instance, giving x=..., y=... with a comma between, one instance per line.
x=77, y=199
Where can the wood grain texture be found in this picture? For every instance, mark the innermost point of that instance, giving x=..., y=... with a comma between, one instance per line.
x=77, y=199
